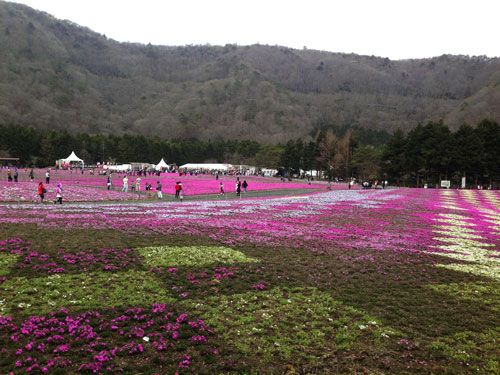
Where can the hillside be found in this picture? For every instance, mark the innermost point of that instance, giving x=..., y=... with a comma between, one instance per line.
x=56, y=74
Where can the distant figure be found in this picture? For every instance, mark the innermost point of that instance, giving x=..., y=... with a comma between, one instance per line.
x=132, y=186
x=32, y=175
x=244, y=185
x=177, y=189
x=238, y=187
x=16, y=175
x=221, y=187
x=47, y=177
x=158, y=189
x=41, y=191
x=125, y=184
x=109, y=183
x=59, y=194
x=138, y=184
x=9, y=175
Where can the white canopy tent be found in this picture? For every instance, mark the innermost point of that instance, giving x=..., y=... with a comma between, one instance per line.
x=206, y=166
x=161, y=165
x=119, y=168
x=70, y=160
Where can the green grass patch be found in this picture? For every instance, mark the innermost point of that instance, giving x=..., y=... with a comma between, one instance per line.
x=174, y=256
x=81, y=292
x=6, y=261
x=485, y=293
x=478, y=351
x=288, y=323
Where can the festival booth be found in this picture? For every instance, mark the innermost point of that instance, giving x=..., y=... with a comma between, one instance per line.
x=70, y=161
x=162, y=166
x=205, y=167
x=119, y=168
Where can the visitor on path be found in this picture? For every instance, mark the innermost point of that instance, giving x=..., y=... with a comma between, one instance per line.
x=109, y=183
x=329, y=186
x=221, y=187
x=16, y=175
x=125, y=184
x=158, y=190
x=238, y=188
x=132, y=186
x=59, y=194
x=47, y=177
x=41, y=191
x=138, y=184
x=245, y=185
x=9, y=175
x=177, y=189
x=32, y=175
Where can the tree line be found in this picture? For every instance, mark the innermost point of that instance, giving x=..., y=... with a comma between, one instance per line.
x=41, y=148
x=425, y=155
x=430, y=153
x=329, y=150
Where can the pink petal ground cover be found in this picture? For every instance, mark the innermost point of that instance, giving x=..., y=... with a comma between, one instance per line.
x=391, y=232
x=78, y=188
x=149, y=334
x=350, y=219
x=28, y=192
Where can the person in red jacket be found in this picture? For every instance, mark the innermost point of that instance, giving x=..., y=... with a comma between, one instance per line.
x=41, y=191
x=177, y=189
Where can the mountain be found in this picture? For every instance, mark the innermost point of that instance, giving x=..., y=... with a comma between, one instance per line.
x=56, y=74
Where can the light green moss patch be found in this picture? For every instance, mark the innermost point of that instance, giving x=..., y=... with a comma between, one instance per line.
x=171, y=256
x=6, y=260
x=300, y=322
x=478, y=350
x=86, y=291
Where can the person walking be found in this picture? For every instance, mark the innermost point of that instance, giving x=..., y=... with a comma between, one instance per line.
x=9, y=175
x=109, y=183
x=59, y=194
x=158, y=190
x=47, y=177
x=177, y=189
x=32, y=175
x=244, y=185
x=16, y=175
x=125, y=184
x=238, y=188
x=41, y=191
x=221, y=187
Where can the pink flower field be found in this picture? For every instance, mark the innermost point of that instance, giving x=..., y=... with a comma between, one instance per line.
x=395, y=281
x=89, y=188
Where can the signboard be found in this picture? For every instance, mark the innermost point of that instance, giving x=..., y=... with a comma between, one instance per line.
x=445, y=184
x=463, y=182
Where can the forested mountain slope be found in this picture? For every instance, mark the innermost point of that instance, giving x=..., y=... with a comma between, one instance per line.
x=56, y=74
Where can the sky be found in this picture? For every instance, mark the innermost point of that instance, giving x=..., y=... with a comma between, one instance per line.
x=397, y=29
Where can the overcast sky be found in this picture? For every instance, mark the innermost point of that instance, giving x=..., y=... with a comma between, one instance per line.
x=397, y=29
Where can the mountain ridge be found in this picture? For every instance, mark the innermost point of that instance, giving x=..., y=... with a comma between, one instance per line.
x=56, y=74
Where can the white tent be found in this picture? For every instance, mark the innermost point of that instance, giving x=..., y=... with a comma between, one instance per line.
x=119, y=168
x=161, y=165
x=71, y=159
x=205, y=166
